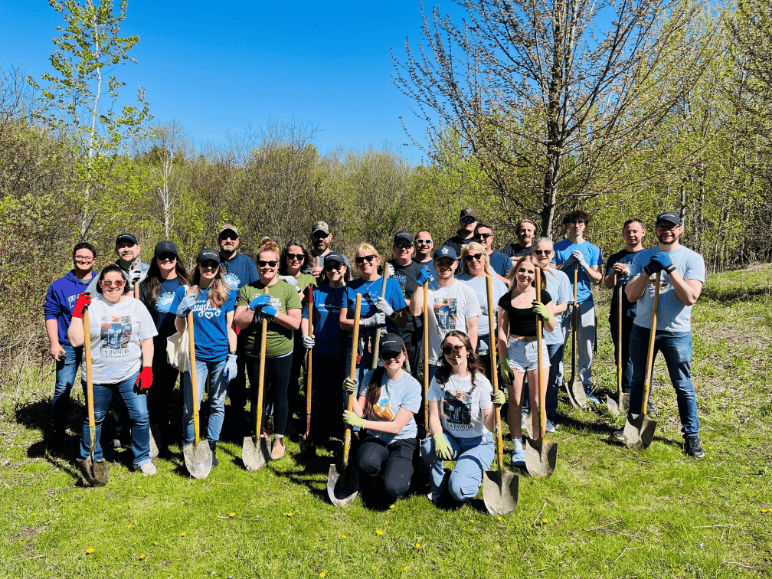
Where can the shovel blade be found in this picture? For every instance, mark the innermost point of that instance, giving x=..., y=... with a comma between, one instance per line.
x=639, y=431
x=155, y=440
x=198, y=459
x=500, y=492
x=612, y=405
x=342, y=485
x=94, y=472
x=576, y=394
x=528, y=423
x=254, y=453
x=540, y=457
x=625, y=401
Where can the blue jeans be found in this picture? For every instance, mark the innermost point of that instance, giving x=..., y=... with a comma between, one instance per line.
x=676, y=347
x=555, y=360
x=66, y=371
x=218, y=389
x=473, y=457
x=136, y=404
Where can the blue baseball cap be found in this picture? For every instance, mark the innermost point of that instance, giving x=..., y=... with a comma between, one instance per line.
x=445, y=252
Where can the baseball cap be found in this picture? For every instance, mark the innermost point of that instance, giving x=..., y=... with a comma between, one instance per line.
x=469, y=212
x=126, y=237
x=208, y=255
x=334, y=256
x=445, y=252
x=391, y=343
x=669, y=217
x=320, y=226
x=228, y=227
x=403, y=236
x=165, y=247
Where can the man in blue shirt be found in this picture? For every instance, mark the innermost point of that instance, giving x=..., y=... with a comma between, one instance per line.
x=483, y=234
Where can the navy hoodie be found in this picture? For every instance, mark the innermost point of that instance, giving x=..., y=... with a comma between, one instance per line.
x=60, y=299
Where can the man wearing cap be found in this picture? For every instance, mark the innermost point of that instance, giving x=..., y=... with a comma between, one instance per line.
x=682, y=276
x=406, y=271
x=578, y=253
x=321, y=237
x=127, y=248
x=483, y=234
x=465, y=233
x=526, y=233
x=452, y=305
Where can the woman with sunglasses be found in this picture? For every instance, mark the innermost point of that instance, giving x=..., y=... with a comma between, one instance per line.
x=279, y=303
x=211, y=300
x=461, y=420
x=476, y=268
x=329, y=345
x=164, y=277
x=389, y=311
x=387, y=402
x=121, y=332
x=517, y=345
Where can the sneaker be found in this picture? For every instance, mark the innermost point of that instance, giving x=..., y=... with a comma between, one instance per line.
x=693, y=447
x=147, y=469
x=619, y=434
x=278, y=448
x=213, y=448
x=433, y=496
x=518, y=457
x=591, y=398
x=550, y=426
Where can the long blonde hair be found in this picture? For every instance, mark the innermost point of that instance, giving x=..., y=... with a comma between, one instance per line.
x=486, y=258
x=218, y=291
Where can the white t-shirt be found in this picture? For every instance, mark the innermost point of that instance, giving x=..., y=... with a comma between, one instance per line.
x=460, y=407
x=449, y=309
x=116, y=331
x=395, y=394
x=480, y=287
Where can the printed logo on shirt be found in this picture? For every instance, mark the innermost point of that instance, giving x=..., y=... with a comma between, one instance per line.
x=457, y=409
x=233, y=280
x=402, y=281
x=165, y=302
x=71, y=301
x=330, y=304
x=446, y=312
x=382, y=410
x=115, y=332
x=203, y=310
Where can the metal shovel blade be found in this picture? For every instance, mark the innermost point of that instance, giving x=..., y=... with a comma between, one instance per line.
x=500, y=492
x=254, y=453
x=576, y=394
x=639, y=431
x=612, y=405
x=528, y=424
x=155, y=440
x=625, y=401
x=342, y=484
x=540, y=457
x=198, y=458
x=94, y=471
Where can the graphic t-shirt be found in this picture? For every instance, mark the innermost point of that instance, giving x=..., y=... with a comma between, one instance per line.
x=210, y=326
x=460, y=407
x=405, y=276
x=370, y=291
x=162, y=314
x=330, y=339
x=395, y=394
x=449, y=309
x=239, y=271
x=280, y=340
x=628, y=308
x=479, y=286
x=116, y=331
x=591, y=253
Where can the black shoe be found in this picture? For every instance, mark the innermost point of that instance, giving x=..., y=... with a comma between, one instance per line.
x=651, y=410
x=213, y=448
x=693, y=447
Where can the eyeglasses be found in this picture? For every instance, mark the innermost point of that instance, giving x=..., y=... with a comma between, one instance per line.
x=470, y=257
x=331, y=266
x=366, y=258
x=83, y=258
x=167, y=257
x=403, y=245
x=296, y=256
x=468, y=219
x=114, y=283
x=320, y=235
x=423, y=242
x=262, y=263
x=482, y=235
x=577, y=222
x=669, y=227
x=231, y=236
x=390, y=355
x=543, y=252
x=447, y=350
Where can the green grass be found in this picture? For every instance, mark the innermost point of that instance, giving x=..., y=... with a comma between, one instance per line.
x=606, y=512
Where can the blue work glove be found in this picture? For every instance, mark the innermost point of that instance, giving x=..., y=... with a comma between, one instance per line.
x=660, y=261
x=424, y=275
x=231, y=368
x=269, y=312
x=259, y=302
x=186, y=304
x=384, y=307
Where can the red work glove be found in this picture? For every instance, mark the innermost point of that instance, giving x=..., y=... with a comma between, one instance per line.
x=145, y=379
x=84, y=300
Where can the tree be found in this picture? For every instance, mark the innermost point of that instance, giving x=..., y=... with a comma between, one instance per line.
x=545, y=96
x=88, y=49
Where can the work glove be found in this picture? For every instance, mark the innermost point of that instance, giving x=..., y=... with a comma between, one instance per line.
x=268, y=312
x=231, y=368
x=134, y=274
x=309, y=341
x=660, y=261
x=441, y=447
x=84, y=300
x=570, y=261
x=499, y=398
x=384, y=307
x=506, y=371
x=289, y=279
x=541, y=310
x=579, y=258
x=350, y=385
x=145, y=379
x=352, y=420
x=259, y=302
x=375, y=321
x=424, y=275
x=186, y=304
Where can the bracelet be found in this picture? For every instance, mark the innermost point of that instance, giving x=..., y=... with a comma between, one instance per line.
x=670, y=269
x=231, y=353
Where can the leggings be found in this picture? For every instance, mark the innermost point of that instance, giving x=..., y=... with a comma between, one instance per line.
x=394, y=461
x=277, y=373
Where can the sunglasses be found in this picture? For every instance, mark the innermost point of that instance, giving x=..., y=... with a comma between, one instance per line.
x=468, y=219
x=296, y=256
x=366, y=258
x=390, y=355
x=320, y=235
x=444, y=263
x=262, y=263
x=167, y=257
x=543, y=252
x=447, y=350
x=331, y=266
x=423, y=241
x=113, y=283
x=577, y=222
x=404, y=245
x=482, y=235
x=470, y=257
x=209, y=265
x=232, y=236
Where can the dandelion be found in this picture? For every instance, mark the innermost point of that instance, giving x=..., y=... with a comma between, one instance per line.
x=391, y=506
x=404, y=568
x=343, y=536
x=289, y=514
x=139, y=486
x=499, y=518
x=130, y=526
x=471, y=520
x=142, y=556
x=710, y=457
x=764, y=510
x=418, y=545
x=33, y=514
x=231, y=515
x=710, y=448
x=321, y=575
x=378, y=532
x=545, y=520
x=89, y=550
x=183, y=534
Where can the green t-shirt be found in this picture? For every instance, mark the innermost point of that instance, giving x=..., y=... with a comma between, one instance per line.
x=304, y=280
x=279, y=341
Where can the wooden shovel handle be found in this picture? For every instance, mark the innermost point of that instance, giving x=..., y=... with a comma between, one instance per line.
x=542, y=391
x=652, y=337
x=494, y=371
x=89, y=381
x=192, y=370
x=352, y=373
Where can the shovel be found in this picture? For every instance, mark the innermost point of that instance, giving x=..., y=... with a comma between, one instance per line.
x=575, y=387
x=305, y=446
x=500, y=488
x=540, y=455
x=343, y=479
x=639, y=428
x=95, y=472
x=377, y=345
x=254, y=450
x=614, y=405
x=426, y=358
x=198, y=456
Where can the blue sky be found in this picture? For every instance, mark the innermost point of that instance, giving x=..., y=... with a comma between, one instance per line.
x=219, y=67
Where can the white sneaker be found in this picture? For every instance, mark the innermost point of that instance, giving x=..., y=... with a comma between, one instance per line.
x=619, y=434
x=433, y=496
x=147, y=469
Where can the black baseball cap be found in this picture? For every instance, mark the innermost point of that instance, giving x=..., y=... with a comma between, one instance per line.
x=126, y=237
x=208, y=255
x=669, y=217
x=391, y=343
x=334, y=256
x=405, y=236
x=165, y=247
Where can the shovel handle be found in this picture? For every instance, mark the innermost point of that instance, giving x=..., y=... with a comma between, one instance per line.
x=426, y=357
x=192, y=371
x=377, y=345
x=539, y=373
x=652, y=337
x=352, y=373
x=494, y=372
x=310, y=364
x=89, y=381
x=261, y=376
x=574, y=322
x=619, y=344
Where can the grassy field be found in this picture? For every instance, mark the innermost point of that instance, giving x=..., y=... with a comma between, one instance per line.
x=606, y=512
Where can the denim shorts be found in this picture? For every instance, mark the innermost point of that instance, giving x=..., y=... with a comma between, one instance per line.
x=523, y=356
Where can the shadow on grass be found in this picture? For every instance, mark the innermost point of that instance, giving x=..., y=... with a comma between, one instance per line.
x=724, y=294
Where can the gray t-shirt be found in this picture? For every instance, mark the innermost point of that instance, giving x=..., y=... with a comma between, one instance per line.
x=460, y=407
x=116, y=331
x=480, y=287
x=672, y=315
x=395, y=394
x=559, y=287
x=449, y=309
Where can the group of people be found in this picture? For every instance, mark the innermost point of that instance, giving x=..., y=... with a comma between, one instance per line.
x=307, y=295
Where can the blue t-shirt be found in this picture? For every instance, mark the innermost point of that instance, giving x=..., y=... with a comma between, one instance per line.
x=210, y=326
x=591, y=253
x=480, y=288
x=370, y=291
x=500, y=263
x=672, y=314
x=163, y=315
x=330, y=339
x=559, y=287
x=395, y=394
x=405, y=276
x=239, y=271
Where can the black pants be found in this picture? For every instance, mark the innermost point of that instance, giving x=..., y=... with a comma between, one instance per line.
x=295, y=400
x=393, y=461
x=414, y=345
x=277, y=372
x=627, y=366
x=329, y=399
x=159, y=397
